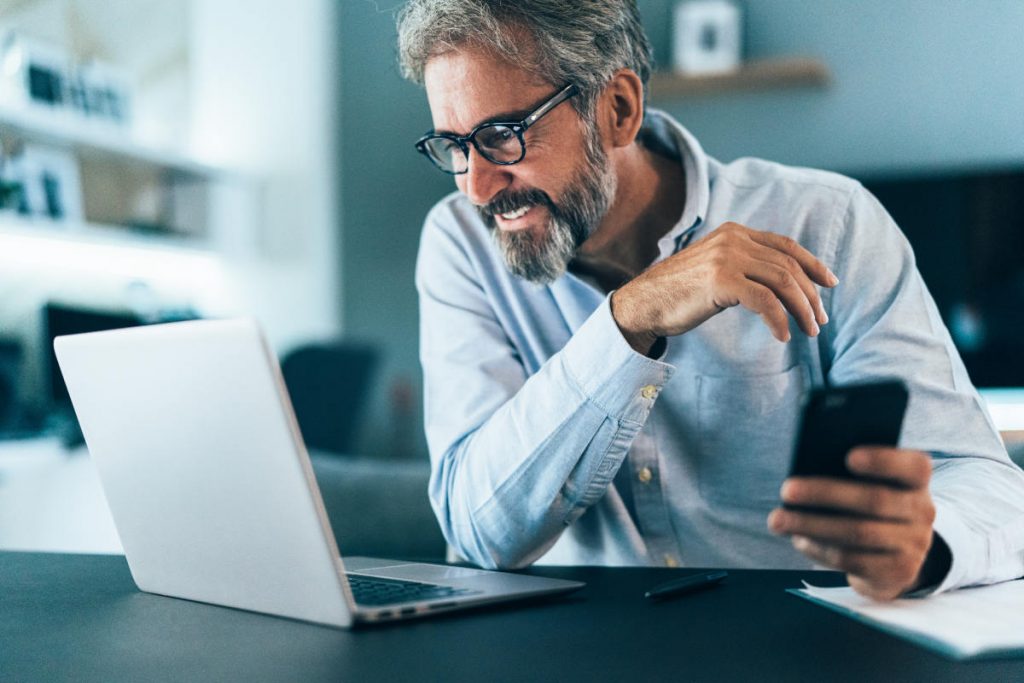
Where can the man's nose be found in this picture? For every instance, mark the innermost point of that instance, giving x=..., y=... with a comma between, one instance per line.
x=482, y=180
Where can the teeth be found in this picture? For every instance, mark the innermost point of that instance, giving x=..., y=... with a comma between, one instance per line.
x=518, y=213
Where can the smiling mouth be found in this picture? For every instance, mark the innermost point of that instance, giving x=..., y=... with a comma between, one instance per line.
x=518, y=213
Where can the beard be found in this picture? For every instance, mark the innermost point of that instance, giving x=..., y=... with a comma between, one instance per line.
x=544, y=256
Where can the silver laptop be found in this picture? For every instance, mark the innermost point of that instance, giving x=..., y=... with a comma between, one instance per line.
x=212, y=491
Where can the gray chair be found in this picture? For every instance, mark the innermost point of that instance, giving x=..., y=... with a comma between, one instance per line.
x=379, y=507
x=328, y=384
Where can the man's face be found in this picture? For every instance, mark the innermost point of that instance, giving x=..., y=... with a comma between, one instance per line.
x=543, y=208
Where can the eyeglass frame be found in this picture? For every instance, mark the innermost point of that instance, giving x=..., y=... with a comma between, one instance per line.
x=517, y=127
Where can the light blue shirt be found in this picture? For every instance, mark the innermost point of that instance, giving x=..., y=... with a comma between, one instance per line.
x=551, y=440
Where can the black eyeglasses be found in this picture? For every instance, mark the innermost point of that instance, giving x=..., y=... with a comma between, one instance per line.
x=500, y=143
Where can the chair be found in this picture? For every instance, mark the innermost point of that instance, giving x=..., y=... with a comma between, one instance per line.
x=329, y=387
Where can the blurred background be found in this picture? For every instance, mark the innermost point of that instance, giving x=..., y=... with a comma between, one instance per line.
x=172, y=159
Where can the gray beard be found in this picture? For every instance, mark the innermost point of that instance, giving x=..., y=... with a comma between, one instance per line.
x=544, y=258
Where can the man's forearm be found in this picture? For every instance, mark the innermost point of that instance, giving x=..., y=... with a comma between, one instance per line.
x=505, y=490
x=980, y=504
x=509, y=517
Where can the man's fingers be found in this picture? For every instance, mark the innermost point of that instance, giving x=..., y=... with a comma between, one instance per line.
x=853, y=560
x=793, y=266
x=859, y=498
x=814, y=268
x=884, y=530
x=763, y=301
x=788, y=290
x=848, y=532
x=891, y=589
x=910, y=469
x=882, y=576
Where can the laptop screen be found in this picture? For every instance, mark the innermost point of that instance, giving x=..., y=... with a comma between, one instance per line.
x=60, y=320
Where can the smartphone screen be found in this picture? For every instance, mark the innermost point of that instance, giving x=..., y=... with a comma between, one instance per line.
x=838, y=419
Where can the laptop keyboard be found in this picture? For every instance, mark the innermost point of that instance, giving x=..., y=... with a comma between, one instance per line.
x=372, y=590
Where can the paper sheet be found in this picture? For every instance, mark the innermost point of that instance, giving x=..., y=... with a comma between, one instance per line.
x=971, y=622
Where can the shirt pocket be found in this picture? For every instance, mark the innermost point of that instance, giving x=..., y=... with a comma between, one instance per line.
x=747, y=431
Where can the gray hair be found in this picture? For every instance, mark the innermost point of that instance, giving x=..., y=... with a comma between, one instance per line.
x=583, y=42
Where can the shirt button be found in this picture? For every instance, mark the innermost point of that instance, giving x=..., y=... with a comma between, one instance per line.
x=671, y=561
x=649, y=391
x=645, y=475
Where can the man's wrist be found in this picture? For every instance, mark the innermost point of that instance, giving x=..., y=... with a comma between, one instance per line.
x=645, y=344
x=937, y=564
x=643, y=341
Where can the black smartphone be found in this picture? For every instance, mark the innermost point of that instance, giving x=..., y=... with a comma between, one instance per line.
x=838, y=419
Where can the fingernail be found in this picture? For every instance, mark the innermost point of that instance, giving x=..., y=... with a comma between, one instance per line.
x=817, y=330
x=824, y=317
x=856, y=458
x=777, y=520
x=800, y=543
x=832, y=279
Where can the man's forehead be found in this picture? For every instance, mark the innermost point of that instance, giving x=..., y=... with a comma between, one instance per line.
x=468, y=87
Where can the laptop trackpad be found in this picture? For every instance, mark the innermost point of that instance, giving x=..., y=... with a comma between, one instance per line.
x=414, y=571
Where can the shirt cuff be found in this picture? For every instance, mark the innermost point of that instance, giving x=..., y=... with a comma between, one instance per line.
x=622, y=382
x=963, y=548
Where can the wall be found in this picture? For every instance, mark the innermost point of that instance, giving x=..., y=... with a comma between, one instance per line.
x=263, y=93
x=386, y=190
x=916, y=84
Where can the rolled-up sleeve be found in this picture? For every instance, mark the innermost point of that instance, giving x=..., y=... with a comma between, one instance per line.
x=888, y=326
x=515, y=459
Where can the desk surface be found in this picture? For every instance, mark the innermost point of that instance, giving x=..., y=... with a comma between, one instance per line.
x=80, y=617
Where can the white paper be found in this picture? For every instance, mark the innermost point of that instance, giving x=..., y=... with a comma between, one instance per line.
x=967, y=622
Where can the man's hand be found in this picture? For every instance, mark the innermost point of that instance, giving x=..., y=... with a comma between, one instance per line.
x=767, y=273
x=884, y=533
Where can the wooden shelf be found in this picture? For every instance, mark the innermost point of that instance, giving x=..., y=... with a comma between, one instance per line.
x=766, y=74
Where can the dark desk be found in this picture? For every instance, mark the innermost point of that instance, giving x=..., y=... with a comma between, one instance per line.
x=79, y=617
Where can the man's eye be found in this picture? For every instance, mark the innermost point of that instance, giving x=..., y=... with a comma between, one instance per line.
x=496, y=137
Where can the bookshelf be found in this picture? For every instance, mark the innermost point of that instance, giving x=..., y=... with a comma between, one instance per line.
x=91, y=139
x=125, y=192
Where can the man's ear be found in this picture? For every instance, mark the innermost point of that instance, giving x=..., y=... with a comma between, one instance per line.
x=621, y=106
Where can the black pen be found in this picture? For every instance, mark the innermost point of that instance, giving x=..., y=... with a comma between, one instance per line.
x=687, y=584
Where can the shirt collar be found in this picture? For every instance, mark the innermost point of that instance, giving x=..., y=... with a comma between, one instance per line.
x=671, y=135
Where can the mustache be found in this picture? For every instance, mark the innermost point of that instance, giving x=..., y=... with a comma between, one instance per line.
x=514, y=199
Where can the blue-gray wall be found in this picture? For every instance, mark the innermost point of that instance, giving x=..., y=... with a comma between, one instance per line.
x=386, y=190
x=916, y=84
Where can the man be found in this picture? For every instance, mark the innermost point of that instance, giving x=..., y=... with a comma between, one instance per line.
x=617, y=330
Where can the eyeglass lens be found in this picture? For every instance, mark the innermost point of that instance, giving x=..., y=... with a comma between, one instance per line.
x=497, y=143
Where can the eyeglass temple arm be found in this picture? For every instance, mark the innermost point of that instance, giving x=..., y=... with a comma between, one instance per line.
x=567, y=92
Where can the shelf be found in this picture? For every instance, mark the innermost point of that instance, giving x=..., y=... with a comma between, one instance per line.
x=13, y=226
x=792, y=72
x=92, y=139
x=90, y=262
